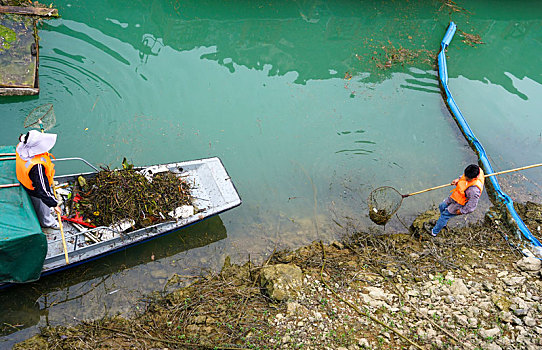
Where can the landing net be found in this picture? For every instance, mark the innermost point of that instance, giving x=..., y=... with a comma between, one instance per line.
x=41, y=117
x=383, y=203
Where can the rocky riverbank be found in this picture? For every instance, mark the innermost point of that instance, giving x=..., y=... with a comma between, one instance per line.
x=469, y=288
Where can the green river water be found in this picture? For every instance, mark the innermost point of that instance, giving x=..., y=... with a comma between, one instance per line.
x=296, y=99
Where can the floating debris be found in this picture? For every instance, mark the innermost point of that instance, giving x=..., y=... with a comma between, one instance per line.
x=471, y=39
x=116, y=195
x=453, y=7
x=401, y=55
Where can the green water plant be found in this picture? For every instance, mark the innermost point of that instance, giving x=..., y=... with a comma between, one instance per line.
x=7, y=36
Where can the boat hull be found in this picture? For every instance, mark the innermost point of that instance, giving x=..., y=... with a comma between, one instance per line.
x=213, y=193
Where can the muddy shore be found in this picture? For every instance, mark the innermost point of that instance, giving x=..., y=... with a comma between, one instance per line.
x=469, y=288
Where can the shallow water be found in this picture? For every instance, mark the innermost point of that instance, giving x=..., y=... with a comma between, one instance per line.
x=291, y=97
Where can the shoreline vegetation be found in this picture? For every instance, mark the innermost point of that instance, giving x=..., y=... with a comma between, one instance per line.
x=469, y=288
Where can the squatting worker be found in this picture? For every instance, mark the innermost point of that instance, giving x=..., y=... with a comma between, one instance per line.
x=464, y=197
x=35, y=172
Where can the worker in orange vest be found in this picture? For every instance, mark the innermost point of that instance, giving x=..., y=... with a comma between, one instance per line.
x=463, y=198
x=35, y=172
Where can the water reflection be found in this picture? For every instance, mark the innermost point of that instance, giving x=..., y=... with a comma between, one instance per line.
x=422, y=81
x=312, y=37
x=72, y=71
x=99, y=282
x=307, y=37
x=152, y=45
x=509, y=47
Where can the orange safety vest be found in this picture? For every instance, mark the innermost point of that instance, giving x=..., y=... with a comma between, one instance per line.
x=458, y=194
x=23, y=168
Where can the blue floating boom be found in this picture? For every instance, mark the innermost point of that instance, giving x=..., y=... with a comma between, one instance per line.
x=501, y=196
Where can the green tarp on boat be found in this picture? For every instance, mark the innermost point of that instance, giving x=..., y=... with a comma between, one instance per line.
x=23, y=246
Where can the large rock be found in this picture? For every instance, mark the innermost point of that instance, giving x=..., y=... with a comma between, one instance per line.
x=461, y=319
x=490, y=333
x=375, y=303
x=521, y=312
x=377, y=293
x=529, y=321
x=294, y=308
x=458, y=287
x=514, y=281
x=282, y=281
x=501, y=302
x=529, y=263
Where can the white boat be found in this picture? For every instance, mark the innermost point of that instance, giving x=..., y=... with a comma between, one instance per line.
x=212, y=192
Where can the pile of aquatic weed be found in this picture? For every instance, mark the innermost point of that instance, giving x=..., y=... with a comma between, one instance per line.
x=228, y=310
x=116, y=195
x=379, y=216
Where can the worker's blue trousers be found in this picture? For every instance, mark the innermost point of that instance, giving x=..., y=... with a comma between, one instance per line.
x=445, y=215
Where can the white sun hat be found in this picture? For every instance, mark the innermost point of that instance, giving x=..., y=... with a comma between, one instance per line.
x=36, y=143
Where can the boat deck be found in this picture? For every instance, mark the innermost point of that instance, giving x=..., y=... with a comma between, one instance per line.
x=212, y=192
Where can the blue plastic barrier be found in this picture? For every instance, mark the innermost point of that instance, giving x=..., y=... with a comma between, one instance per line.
x=501, y=196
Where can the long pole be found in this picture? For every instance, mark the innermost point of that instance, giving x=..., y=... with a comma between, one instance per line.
x=61, y=231
x=9, y=185
x=516, y=169
x=487, y=175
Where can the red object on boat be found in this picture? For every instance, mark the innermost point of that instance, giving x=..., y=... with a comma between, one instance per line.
x=78, y=219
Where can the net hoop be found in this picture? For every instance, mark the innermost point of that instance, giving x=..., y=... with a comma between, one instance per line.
x=41, y=117
x=383, y=203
